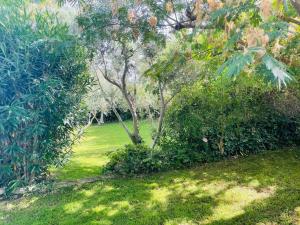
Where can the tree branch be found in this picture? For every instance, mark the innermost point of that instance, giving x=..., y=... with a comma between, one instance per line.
x=290, y=20
x=114, y=109
x=105, y=73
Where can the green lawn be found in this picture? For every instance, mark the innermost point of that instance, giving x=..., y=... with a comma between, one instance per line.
x=259, y=189
x=90, y=154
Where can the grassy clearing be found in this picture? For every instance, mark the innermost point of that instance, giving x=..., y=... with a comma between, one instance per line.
x=259, y=189
x=91, y=153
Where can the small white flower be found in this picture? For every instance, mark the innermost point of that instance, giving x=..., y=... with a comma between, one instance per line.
x=205, y=139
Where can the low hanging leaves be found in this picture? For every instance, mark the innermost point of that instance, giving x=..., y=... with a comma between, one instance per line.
x=236, y=64
x=278, y=70
x=256, y=37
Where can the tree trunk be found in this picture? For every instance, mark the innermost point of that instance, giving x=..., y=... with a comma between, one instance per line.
x=131, y=136
x=161, y=115
x=296, y=5
x=135, y=137
x=102, y=118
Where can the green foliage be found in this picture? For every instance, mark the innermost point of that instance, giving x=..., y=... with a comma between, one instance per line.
x=134, y=159
x=42, y=81
x=139, y=159
x=106, y=22
x=228, y=118
x=236, y=64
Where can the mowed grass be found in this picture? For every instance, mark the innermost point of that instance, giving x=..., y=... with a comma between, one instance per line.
x=258, y=189
x=90, y=154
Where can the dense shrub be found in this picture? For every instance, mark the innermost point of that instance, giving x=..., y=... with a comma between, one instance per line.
x=134, y=159
x=210, y=121
x=140, y=159
x=42, y=80
x=228, y=117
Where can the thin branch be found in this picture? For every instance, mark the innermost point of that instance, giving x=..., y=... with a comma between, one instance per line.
x=125, y=71
x=290, y=20
x=174, y=10
x=105, y=74
x=113, y=108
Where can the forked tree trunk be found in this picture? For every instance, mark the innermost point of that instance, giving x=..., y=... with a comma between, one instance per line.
x=135, y=136
x=130, y=100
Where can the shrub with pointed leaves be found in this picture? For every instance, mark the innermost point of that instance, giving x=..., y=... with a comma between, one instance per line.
x=42, y=81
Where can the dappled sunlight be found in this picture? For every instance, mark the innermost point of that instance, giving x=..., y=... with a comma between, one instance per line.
x=73, y=207
x=15, y=205
x=118, y=206
x=99, y=208
x=227, y=195
x=215, y=187
x=180, y=222
x=89, y=193
x=185, y=187
x=232, y=202
x=297, y=215
x=254, y=183
x=160, y=195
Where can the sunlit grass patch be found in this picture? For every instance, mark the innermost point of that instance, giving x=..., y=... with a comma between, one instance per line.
x=90, y=154
x=231, y=192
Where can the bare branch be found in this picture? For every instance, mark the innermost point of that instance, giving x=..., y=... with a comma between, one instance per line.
x=105, y=73
x=114, y=109
x=290, y=20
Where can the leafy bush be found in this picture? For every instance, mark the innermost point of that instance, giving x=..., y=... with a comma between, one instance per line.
x=42, y=80
x=214, y=120
x=140, y=159
x=134, y=159
x=226, y=118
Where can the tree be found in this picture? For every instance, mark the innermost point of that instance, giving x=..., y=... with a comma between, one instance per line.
x=113, y=47
x=170, y=70
x=251, y=28
x=248, y=33
x=101, y=99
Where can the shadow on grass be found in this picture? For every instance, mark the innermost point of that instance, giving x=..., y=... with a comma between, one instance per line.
x=261, y=189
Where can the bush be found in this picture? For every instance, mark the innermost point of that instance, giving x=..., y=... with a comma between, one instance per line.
x=227, y=118
x=134, y=159
x=211, y=121
x=42, y=81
